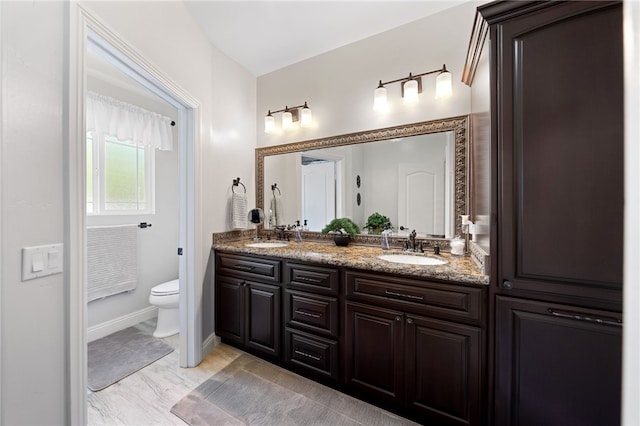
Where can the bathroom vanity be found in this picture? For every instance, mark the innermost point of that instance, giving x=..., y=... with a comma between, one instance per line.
x=408, y=337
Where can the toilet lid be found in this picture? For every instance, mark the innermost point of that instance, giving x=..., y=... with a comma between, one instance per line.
x=164, y=289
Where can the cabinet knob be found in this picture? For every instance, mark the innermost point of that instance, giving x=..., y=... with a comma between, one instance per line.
x=507, y=285
x=409, y=321
x=398, y=318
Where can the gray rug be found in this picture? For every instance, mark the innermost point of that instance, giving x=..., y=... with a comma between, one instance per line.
x=120, y=354
x=250, y=391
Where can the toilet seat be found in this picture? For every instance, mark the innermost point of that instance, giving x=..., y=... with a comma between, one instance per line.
x=166, y=289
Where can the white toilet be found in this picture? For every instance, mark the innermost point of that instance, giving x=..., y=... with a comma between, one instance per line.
x=166, y=297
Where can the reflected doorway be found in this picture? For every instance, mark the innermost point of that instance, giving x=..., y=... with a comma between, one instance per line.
x=320, y=191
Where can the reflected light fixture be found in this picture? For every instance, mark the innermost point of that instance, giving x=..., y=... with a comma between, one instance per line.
x=290, y=115
x=412, y=86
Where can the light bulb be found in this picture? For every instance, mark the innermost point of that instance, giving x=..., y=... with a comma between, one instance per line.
x=380, y=98
x=305, y=116
x=287, y=119
x=443, y=85
x=269, y=123
x=411, y=92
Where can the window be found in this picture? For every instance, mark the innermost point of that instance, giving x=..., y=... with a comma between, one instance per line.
x=120, y=176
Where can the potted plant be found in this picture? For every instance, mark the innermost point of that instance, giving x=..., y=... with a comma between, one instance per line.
x=376, y=223
x=344, y=228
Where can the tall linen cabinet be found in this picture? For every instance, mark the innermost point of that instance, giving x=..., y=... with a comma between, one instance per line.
x=556, y=137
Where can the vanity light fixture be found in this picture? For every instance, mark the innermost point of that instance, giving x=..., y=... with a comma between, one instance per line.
x=290, y=115
x=412, y=86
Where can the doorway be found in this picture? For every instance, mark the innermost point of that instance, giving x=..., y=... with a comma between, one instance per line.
x=87, y=32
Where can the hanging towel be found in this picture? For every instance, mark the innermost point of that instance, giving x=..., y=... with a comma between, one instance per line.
x=112, y=260
x=277, y=211
x=238, y=211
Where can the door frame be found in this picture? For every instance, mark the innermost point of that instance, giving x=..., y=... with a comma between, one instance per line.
x=85, y=30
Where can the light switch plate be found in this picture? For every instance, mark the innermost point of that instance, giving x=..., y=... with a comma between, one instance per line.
x=41, y=261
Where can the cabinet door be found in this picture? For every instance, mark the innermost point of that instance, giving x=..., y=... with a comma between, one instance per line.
x=560, y=157
x=230, y=308
x=374, y=351
x=556, y=365
x=443, y=371
x=263, y=318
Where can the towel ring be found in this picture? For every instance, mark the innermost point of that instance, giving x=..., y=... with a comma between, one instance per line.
x=274, y=187
x=237, y=182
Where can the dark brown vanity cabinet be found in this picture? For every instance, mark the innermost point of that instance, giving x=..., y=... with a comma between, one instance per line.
x=554, y=368
x=248, y=298
x=312, y=324
x=397, y=354
x=557, y=196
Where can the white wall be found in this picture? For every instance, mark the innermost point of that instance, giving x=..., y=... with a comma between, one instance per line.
x=339, y=85
x=481, y=149
x=32, y=322
x=631, y=354
x=157, y=261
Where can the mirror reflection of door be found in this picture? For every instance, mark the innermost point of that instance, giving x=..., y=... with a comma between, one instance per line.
x=421, y=196
x=318, y=192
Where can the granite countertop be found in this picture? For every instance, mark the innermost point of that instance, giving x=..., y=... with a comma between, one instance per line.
x=460, y=269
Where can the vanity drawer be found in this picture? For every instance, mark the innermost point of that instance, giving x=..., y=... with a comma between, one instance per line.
x=316, y=279
x=248, y=267
x=448, y=301
x=315, y=313
x=312, y=353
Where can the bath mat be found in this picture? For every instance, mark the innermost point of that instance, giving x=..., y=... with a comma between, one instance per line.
x=114, y=357
x=250, y=391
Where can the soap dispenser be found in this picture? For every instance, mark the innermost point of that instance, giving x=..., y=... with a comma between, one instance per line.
x=298, y=235
x=386, y=233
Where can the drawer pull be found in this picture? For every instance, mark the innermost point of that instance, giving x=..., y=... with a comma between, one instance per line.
x=307, y=280
x=313, y=357
x=308, y=314
x=243, y=267
x=586, y=317
x=407, y=296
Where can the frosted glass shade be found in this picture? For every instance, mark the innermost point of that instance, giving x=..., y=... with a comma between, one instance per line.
x=305, y=117
x=269, y=124
x=410, y=92
x=380, y=99
x=443, y=85
x=287, y=119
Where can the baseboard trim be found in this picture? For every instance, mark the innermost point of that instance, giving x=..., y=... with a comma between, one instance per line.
x=209, y=344
x=120, y=323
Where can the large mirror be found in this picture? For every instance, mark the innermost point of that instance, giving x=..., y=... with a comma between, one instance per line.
x=414, y=174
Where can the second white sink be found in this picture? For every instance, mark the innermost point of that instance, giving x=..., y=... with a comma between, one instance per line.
x=408, y=259
x=266, y=245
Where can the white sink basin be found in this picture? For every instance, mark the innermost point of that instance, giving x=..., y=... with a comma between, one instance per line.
x=408, y=259
x=266, y=245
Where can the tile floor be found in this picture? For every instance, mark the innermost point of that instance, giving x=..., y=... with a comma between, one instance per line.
x=145, y=397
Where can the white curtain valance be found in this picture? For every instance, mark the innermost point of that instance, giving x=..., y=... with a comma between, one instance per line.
x=128, y=122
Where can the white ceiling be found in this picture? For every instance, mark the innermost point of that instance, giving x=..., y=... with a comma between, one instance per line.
x=264, y=36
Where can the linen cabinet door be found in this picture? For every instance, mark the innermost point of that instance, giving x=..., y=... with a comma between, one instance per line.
x=263, y=324
x=230, y=308
x=443, y=371
x=374, y=351
x=560, y=168
x=556, y=364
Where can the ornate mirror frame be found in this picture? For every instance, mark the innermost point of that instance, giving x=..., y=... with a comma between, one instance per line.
x=459, y=125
